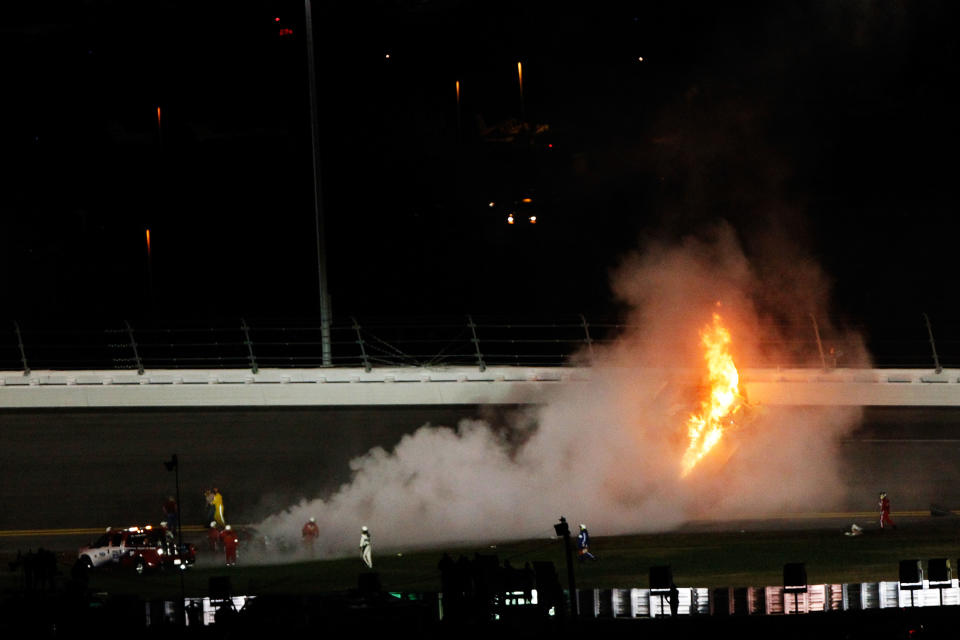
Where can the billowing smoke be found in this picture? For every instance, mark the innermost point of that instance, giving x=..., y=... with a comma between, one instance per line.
x=607, y=451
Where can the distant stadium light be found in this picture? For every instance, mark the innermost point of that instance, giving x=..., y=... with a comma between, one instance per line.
x=491, y=204
x=510, y=219
x=533, y=219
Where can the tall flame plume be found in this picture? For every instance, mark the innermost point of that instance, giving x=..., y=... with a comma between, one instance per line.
x=706, y=428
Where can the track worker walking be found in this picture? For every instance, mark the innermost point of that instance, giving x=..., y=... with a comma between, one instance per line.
x=230, y=544
x=213, y=536
x=884, y=504
x=218, y=508
x=366, y=553
x=583, y=544
x=310, y=534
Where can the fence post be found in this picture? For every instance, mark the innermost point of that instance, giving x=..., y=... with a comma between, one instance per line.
x=586, y=331
x=363, y=348
x=23, y=353
x=476, y=343
x=133, y=345
x=933, y=346
x=246, y=341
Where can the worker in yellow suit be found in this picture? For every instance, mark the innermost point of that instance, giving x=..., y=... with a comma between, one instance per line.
x=218, y=508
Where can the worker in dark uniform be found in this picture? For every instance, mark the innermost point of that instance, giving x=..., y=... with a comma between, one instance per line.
x=583, y=545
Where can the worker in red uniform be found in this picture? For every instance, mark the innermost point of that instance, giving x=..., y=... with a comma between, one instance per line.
x=213, y=536
x=884, y=504
x=310, y=534
x=230, y=544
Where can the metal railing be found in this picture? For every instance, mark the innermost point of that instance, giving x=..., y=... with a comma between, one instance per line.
x=478, y=341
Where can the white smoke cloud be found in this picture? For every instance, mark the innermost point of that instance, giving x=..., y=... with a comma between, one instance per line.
x=605, y=452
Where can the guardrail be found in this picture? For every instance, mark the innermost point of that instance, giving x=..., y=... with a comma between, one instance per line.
x=479, y=341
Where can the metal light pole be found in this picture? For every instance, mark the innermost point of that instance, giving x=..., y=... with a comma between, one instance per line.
x=317, y=199
x=174, y=465
x=563, y=530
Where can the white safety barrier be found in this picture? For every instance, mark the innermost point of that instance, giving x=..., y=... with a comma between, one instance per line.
x=769, y=600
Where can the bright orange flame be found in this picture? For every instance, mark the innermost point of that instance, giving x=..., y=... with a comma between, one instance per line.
x=706, y=429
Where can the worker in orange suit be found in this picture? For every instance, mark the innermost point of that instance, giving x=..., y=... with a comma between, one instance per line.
x=310, y=534
x=213, y=536
x=230, y=544
x=885, y=521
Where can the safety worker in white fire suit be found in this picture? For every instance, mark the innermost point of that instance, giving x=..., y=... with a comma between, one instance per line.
x=366, y=552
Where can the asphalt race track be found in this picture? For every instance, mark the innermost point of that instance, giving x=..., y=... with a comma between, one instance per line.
x=93, y=468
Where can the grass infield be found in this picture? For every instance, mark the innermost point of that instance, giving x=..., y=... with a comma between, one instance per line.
x=720, y=555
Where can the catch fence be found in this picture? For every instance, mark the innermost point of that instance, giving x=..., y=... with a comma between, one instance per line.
x=479, y=341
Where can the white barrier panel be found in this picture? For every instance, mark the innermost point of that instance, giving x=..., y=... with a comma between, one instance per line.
x=701, y=601
x=640, y=603
x=795, y=603
x=621, y=604
x=888, y=594
x=690, y=601
x=208, y=607
x=851, y=599
x=770, y=600
x=659, y=605
x=925, y=597
x=835, y=601
x=589, y=602
x=950, y=595
x=773, y=601
x=604, y=608
x=813, y=600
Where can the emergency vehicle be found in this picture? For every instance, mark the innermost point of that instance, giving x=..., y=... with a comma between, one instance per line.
x=140, y=548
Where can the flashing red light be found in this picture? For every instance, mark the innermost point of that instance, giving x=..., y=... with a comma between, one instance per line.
x=276, y=19
x=550, y=146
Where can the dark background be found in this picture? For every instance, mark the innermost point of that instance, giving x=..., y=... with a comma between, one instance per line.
x=829, y=123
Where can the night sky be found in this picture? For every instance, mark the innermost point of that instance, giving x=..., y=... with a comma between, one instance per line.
x=833, y=123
